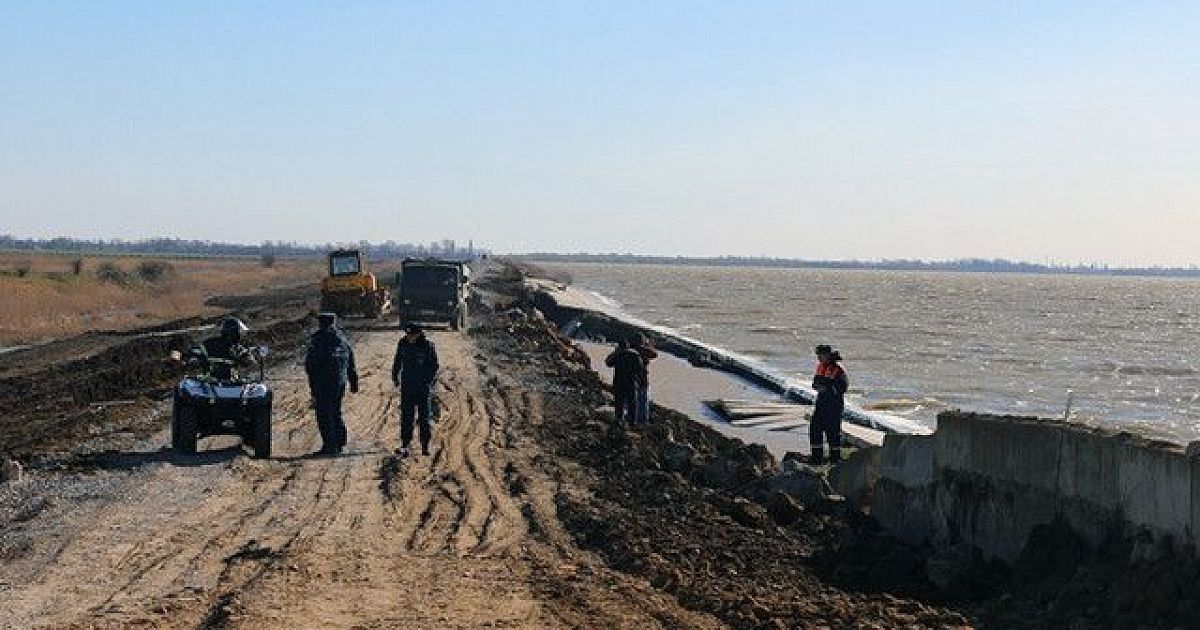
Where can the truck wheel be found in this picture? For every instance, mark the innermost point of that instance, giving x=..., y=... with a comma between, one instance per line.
x=260, y=431
x=184, y=426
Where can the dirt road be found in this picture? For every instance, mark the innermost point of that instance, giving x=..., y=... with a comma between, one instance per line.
x=467, y=537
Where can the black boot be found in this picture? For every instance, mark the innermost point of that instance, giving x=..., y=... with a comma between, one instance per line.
x=835, y=455
x=818, y=457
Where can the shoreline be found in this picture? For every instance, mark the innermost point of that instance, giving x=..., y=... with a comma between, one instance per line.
x=576, y=312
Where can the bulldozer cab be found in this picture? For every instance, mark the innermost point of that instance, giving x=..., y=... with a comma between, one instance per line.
x=350, y=289
x=345, y=263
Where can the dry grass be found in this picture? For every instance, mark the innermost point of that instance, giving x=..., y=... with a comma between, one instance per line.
x=49, y=300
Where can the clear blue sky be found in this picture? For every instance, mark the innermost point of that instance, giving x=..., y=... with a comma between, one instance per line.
x=1031, y=130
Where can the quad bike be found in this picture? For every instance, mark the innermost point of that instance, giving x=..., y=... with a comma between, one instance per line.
x=236, y=404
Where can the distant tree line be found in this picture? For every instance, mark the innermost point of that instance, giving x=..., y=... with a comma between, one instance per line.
x=978, y=265
x=265, y=249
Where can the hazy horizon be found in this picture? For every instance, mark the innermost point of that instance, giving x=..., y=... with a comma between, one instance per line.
x=1024, y=131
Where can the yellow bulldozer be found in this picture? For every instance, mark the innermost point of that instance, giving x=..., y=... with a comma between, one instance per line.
x=350, y=289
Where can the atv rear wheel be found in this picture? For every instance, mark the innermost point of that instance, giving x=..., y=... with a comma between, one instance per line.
x=184, y=427
x=260, y=432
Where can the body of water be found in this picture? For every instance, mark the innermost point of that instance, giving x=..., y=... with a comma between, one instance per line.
x=918, y=342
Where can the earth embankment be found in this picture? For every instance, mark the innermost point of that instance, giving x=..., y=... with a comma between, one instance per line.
x=533, y=511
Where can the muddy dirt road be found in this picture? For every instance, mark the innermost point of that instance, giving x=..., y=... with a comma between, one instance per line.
x=467, y=537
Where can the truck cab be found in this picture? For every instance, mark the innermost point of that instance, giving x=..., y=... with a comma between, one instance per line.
x=434, y=291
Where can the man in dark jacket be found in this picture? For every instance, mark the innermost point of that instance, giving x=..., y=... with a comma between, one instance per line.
x=330, y=366
x=413, y=370
x=831, y=384
x=226, y=351
x=647, y=352
x=628, y=378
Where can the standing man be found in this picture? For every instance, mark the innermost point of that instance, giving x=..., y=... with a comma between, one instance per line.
x=414, y=369
x=648, y=354
x=831, y=384
x=330, y=365
x=627, y=380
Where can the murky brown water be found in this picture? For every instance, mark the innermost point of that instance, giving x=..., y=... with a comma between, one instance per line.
x=916, y=342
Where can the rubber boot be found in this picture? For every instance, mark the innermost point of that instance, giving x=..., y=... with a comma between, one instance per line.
x=835, y=455
x=818, y=457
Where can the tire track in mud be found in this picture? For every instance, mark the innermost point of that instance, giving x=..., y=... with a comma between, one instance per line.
x=466, y=537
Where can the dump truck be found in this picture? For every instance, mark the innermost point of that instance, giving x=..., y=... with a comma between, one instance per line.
x=350, y=289
x=434, y=291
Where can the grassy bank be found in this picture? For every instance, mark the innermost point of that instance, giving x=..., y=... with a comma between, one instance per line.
x=47, y=296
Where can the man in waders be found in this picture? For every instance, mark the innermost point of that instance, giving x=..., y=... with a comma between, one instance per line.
x=831, y=384
x=329, y=364
x=628, y=378
x=414, y=369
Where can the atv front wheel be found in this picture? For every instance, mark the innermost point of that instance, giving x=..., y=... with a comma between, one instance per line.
x=184, y=427
x=260, y=432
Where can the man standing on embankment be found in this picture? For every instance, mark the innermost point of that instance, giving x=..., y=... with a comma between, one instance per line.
x=627, y=368
x=831, y=384
x=648, y=354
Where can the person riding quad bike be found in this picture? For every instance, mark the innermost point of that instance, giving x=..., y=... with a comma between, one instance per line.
x=226, y=351
x=217, y=397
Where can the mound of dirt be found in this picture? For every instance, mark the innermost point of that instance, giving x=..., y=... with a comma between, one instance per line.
x=685, y=507
x=113, y=390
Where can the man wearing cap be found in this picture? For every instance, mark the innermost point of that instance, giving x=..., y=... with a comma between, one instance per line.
x=831, y=384
x=414, y=369
x=330, y=366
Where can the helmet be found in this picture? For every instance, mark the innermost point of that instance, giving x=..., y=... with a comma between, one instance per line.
x=232, y=328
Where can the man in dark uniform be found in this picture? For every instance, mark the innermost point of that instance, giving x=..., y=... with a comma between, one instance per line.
x=330, y=366
x=628, y=378
x=414, y=369
x=226, y=351
x=647, y=352
x=831, y=384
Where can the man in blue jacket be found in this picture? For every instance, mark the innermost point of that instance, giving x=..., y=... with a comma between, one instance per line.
x=330, y=366
x=414, y=369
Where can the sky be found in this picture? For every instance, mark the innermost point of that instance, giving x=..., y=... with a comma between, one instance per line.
x=1041, y=131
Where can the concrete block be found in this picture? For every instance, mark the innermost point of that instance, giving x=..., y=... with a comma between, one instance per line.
x=907, y=459
x=1088, y=468
x=905, y=512
x=1020, y=450
x=996, y=517
x=856, y=475
x=1155, y=488
x=1194, y=522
